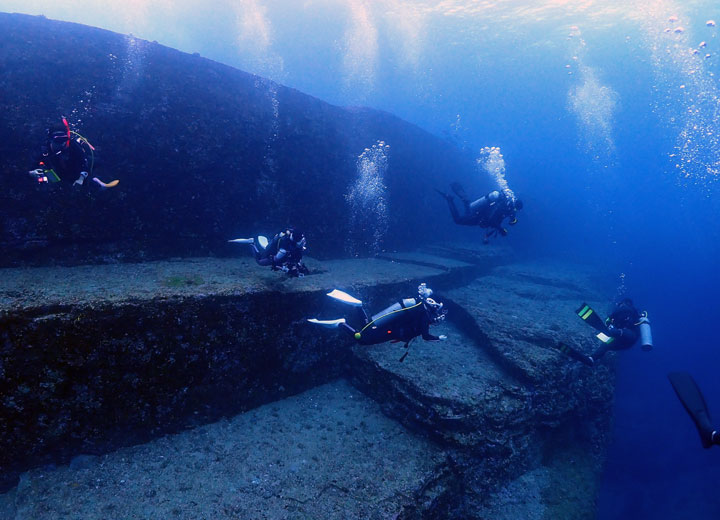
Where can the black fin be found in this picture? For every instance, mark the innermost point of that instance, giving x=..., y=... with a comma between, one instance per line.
x=459, y=190
x=445, y=195
x=574, y=354
x=694, y=402
x=589, y=316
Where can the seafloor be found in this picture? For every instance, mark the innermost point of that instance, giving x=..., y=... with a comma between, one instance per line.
x=262, y=416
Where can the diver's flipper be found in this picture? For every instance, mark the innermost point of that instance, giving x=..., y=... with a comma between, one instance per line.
x=344, y=298
x=694, y=402
x=574, y=354
x=459, y=190
x=330, y=324
x=444, y=195
x=243, y=240
x=102, y=184
x=263, y=241
x=591, y=317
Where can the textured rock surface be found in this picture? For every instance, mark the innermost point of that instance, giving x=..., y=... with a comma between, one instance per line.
x=203, y=152
x=327, y=453
x=512, y=428
x=496, y=393
x=92, y=357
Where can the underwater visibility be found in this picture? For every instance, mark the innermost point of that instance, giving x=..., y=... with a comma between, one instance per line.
x=345, y=259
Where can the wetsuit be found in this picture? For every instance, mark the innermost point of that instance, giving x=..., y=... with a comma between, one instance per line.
x=63, y=156
x=622, y=326
x=281, y=252
x=488, y=211
x=402, y=321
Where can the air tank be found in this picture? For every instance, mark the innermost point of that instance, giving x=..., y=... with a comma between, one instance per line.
x=645, y=332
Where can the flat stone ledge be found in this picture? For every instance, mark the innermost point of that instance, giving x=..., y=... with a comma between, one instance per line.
x=327, y=453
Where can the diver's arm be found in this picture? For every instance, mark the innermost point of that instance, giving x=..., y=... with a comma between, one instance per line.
x=429, y=337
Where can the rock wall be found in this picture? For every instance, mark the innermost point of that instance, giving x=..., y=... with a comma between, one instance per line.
x=97, y=357
x=94, y=358
x=203, y=152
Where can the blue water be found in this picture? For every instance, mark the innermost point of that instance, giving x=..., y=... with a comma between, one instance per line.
x=617, y=163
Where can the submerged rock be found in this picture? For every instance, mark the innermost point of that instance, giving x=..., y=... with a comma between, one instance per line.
x=494, y=417
x=203, y=152
x=497, y=394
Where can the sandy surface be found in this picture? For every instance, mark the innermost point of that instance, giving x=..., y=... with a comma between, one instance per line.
x=326, y=453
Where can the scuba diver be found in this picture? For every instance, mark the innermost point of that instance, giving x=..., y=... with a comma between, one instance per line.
x=283, y=253
x=620, y=331
x=694, y=402
x=402, y=321
x=64, y=156
x=488, y=211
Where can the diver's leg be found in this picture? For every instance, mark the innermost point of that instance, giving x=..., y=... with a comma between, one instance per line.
x=574, y=354
x=453, y=210
x=363, y=315
x=347, y=328
x=260, y=257
x=600, y=352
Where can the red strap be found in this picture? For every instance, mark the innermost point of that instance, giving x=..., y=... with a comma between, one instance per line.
x=67, y=127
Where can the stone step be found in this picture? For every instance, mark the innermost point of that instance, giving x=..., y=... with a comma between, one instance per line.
x=95, y=357
x=27, y=289
x=497, y=393
x=329, y=452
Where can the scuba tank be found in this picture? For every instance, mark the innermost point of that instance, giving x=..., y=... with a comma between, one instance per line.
x=646, y=342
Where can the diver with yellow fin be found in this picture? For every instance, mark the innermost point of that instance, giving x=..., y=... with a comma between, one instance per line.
x=692, y=399
x=620, y=331
x=65, y=155
x=403, y=321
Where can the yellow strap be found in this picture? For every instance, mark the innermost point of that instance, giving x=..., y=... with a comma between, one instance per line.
x=388, y=314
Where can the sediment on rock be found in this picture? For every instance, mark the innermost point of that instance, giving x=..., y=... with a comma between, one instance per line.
x=100, y=357
x=97, y=357
x=497, y=394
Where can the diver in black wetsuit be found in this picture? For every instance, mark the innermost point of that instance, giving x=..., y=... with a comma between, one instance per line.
x=622, y=326
x=620, y=331
x=488, y=211
x=694, y=402
x=402, y=321
x=64, y=157
x=283, y=253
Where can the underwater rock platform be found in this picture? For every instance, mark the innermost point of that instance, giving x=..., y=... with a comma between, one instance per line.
x=116, y=368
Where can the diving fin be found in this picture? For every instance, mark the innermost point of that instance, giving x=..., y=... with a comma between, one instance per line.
x=344, y=298
x=459, y=190
x=243, y=241
x=445, y=196
x=694, y=402
x=330, y=324
x=574, y=354
x=589, y=316
x=102, y=184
